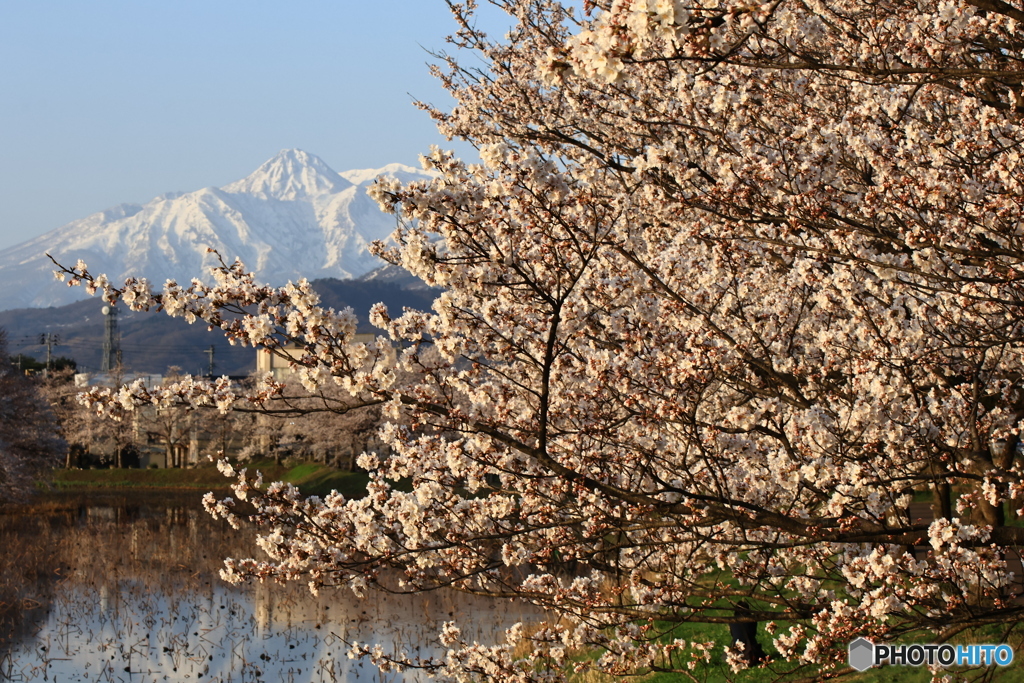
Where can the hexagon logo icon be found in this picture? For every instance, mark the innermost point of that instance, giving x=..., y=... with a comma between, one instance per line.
x=862, y=654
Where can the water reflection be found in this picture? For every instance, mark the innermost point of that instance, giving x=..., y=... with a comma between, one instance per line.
x=127, y=590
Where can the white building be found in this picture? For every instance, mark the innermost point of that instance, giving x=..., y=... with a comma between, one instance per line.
x=105, y=379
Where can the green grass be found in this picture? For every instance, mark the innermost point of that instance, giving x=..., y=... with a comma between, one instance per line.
x=319, y=480
x=717, y=671
x=200, y=477
x=310, y=478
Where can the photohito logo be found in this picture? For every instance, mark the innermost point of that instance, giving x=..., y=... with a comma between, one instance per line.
x=864, y=654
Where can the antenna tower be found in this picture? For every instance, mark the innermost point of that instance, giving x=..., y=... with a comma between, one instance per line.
x=111, y=340
x=209, y=352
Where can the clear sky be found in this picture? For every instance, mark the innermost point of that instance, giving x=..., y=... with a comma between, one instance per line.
x=113, y=101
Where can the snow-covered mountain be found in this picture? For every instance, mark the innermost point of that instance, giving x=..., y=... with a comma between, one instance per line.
x=293, y=217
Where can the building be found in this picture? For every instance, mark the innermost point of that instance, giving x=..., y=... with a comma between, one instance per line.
x=84, y=380
x=280, y=367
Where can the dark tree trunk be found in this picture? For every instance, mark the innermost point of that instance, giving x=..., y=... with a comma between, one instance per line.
x=746, y=632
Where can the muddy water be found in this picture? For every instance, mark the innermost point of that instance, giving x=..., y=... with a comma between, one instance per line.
x=125, y=588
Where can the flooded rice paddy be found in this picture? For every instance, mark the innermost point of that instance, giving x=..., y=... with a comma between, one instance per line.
x=126, y=588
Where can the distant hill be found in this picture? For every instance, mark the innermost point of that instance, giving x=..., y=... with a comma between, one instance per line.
x=292, y=217
x=152, y=342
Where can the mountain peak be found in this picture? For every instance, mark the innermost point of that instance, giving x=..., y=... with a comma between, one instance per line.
x=293, y=217
x=291, y=174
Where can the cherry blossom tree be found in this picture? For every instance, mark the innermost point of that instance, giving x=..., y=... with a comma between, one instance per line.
x=733, y=284
x=326, y=426
x=334, y=437
x=86, y=433
x=29, y=439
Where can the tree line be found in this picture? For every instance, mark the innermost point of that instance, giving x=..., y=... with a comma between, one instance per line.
x=44, y=425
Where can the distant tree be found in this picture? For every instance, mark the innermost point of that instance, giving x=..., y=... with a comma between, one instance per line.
x=23, y=362
x=29, y=439
x=261, y=436
x=223, y=433
x=78, y=425
x=173, y=423
x=91, y=439
x=328, y=427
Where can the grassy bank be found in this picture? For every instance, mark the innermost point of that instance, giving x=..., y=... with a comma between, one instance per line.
x=311, y=478
x=717, y=671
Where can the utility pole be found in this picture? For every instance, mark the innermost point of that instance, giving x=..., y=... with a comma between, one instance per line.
x=49, y=341
x=111, y=341
x=209, y=352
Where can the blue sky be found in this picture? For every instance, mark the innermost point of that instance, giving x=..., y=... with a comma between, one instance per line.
x=118, y=101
